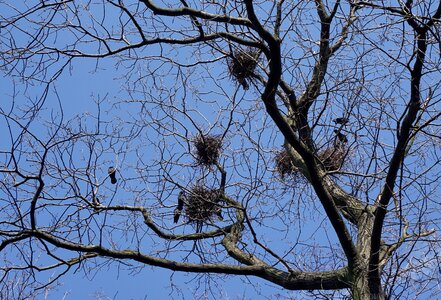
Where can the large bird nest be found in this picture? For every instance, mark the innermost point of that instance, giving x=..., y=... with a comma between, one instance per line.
x=284, y=165
x=333, y=158
x=207, y=149
x=202, y=203
x=242, y=65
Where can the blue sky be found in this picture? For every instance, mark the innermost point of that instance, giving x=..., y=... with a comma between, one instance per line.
x=134, y=101
x=77, y=90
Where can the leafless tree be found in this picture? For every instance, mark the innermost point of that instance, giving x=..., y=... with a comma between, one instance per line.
x=302, y=138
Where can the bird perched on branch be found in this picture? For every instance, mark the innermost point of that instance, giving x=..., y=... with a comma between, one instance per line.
x=341, y=137
x=178, y=210
x=112, y=175
x=342, y=121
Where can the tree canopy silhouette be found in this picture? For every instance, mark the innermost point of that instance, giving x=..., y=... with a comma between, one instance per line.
x=244, y=106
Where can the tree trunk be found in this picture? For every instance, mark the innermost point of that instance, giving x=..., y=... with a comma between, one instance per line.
x=360, y=278
x=360, y=288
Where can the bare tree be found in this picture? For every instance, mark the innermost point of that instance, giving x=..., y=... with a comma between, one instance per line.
x=295, y=141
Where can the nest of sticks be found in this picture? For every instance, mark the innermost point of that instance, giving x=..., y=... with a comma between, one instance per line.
x=332, y=159
x=242, y=65
x=284, y=165
x=202, y=203
x=207, y=149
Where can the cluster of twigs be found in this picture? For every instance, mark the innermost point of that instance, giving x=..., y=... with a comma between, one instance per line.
x=242, y=65
x=332, y=158
x=202, y=203
x=207, y=149
x=284, y=165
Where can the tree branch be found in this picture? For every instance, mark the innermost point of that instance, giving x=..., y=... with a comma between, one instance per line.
x=293, y=281
x=397, y=158
x=268, y=97
x=187, y=11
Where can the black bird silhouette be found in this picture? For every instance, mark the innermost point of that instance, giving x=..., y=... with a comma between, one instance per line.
x=178, y=210
x=341, y=137
x=342, y=121
x=112, y=175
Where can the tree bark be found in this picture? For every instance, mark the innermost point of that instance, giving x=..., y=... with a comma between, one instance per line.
x=360, y=287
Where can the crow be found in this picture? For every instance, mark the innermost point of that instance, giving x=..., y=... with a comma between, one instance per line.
x=178, y=210
x=112, y=175
x=342, y=121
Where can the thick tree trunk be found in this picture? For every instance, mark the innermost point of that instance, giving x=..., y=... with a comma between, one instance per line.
x=360, y=278
x=361, y=291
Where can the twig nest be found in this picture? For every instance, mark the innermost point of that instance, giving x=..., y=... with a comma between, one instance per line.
x=284, y=165
x=242, y=65
x=332, y=158
x=202, y=203
x=207, y=149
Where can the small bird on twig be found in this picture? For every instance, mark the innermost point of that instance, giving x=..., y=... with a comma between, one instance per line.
x=178, y=210
x=112, y=175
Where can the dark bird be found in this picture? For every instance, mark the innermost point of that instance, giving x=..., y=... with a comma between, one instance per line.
x=178, y=210
x=341, y=137
x=342, y=121
x=112, y=175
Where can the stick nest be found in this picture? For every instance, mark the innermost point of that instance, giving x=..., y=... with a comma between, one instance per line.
x=207, y=149
x=202, y=203
x=333, y=158
x=284, y=165
x=242, y=66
